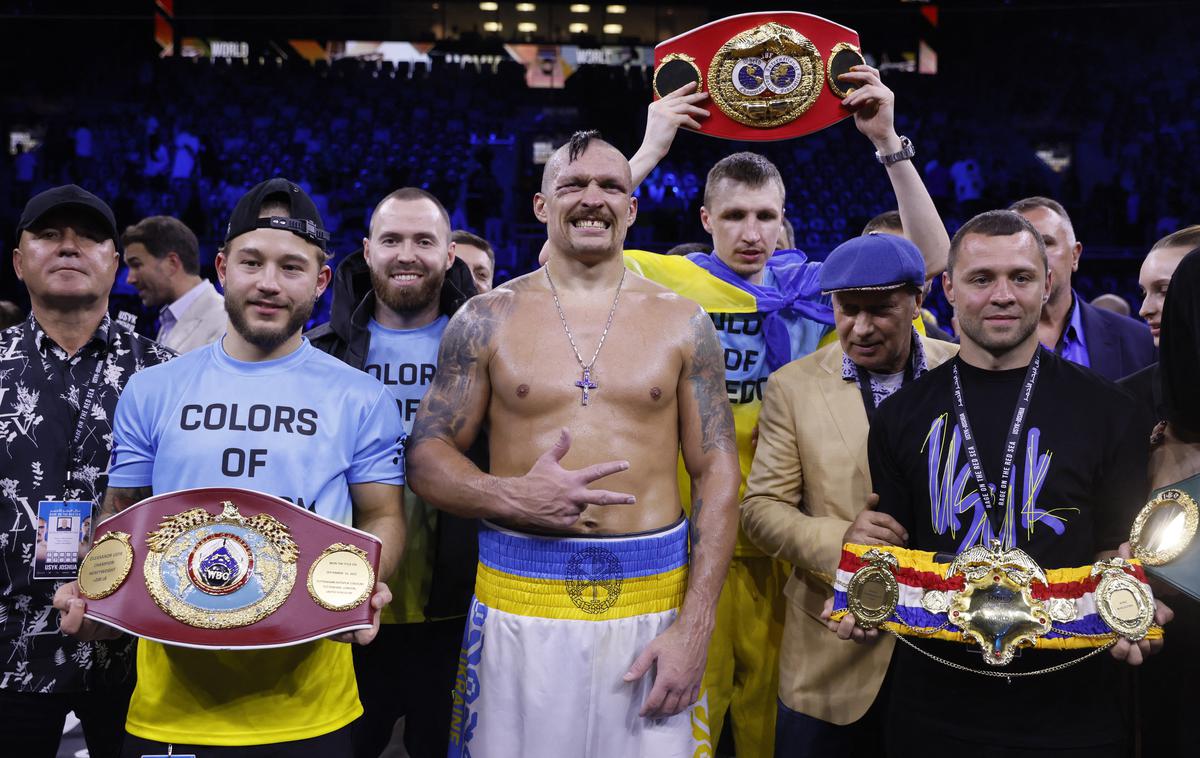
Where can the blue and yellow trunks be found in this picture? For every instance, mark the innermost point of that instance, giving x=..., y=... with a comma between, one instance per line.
x=555, y=624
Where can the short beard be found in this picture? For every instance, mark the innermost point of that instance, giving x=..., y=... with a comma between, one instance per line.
x=973, y=328
x=267, y=339
x=408, y=299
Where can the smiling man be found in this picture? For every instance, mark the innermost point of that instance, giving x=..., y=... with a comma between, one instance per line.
x=332, y=448
x=592, y=616
x=391, y=304
x=938, y=461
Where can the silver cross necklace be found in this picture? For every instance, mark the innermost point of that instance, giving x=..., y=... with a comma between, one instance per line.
x=585, y=381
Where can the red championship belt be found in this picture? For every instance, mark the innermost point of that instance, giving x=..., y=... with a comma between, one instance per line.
x=771, y=76
x=227, y=568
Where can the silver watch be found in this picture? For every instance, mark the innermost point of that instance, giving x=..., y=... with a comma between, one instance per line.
x=907, y=151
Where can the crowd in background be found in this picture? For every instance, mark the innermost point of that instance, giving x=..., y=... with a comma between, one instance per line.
x=186, y=137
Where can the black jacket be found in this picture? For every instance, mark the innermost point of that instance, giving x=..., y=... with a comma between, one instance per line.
x=1117, y=345
x=346, y=337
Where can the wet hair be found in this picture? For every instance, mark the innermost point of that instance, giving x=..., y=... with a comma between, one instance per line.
x=578, y=144
x=568, y=153
x=995, y=224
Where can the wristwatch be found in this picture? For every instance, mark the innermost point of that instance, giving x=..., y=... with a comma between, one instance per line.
x=907, y=151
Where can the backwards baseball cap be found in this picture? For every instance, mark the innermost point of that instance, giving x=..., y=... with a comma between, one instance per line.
x=873, y=261
x=305, y=220
x=68, y=195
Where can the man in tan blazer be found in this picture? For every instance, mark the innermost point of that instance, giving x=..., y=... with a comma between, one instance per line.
x=809, y=485
x=163, y=257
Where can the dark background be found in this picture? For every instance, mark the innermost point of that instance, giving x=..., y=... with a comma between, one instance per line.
x=1111, y=86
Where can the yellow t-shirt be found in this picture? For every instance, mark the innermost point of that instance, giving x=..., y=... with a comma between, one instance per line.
x=242, y=697
x=412, y=579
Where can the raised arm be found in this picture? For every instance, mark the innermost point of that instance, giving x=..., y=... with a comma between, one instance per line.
x=451, y=415
x=873, y=105
x=710, y=453
x=663, y=119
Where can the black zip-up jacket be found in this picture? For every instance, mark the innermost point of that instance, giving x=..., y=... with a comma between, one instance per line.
x=346, y=337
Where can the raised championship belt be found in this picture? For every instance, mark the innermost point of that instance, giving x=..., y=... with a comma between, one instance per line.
x=1164, y=533
x=218, y=568
x=999, y=599
x=772, y=76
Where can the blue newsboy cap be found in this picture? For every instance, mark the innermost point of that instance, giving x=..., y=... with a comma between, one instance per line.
x=874, y=261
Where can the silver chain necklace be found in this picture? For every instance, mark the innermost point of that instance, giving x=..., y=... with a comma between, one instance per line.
x=585, y=380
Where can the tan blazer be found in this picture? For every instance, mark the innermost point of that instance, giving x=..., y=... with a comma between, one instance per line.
x=202, y=323
x=809, y=480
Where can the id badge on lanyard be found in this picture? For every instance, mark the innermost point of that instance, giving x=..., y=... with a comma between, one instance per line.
x=64, y=535
x=64, y=527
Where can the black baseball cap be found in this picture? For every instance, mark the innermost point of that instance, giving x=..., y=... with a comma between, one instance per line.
x=68, y=194
x=305, y=220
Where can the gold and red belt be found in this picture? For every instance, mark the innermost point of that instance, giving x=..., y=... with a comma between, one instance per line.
x=999, y=599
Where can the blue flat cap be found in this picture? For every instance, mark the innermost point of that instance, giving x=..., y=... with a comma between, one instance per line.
x=873, y=262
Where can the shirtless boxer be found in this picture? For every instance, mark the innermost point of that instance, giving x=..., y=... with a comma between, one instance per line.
x=582, y=592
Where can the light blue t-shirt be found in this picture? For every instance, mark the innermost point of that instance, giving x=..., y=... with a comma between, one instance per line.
x=303, y=427
x=745, y=347
x=405, y=360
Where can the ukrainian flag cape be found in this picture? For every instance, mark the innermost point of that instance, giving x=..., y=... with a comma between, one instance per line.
x=794, y=317
x=794, y=297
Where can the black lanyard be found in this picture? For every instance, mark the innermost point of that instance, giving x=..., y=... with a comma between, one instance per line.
x=868, y=394
x=993, y=503
x=74, y=453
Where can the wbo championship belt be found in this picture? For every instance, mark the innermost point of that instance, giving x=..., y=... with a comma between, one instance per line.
x=999, y=600
x=772, y=76
x=218, y=568
x=1163, y=536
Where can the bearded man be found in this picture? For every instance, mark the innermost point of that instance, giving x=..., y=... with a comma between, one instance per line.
x=391, y=305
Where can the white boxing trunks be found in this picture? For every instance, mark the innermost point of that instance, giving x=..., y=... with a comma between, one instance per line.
x=554, y=625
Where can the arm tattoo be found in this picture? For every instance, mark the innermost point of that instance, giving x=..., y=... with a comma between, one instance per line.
x=443, y=412
x=708, y=382
x=117, y=499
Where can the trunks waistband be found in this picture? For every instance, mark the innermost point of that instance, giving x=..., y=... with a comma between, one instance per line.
x=584, y=578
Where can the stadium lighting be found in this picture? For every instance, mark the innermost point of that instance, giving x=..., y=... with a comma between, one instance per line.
x=616, y=10
x=527, y=26
x=492, y=26
x=577, y=28
x=489, y=6
x=613, y=28
x=580, y=8
x=526, y=7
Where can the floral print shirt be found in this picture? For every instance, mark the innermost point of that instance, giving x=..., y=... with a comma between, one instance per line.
x=41, y=393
